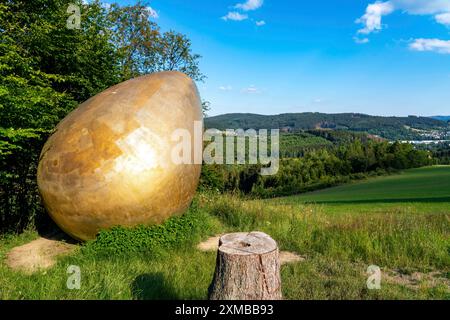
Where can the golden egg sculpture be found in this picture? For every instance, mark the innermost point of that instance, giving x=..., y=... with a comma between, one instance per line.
x=110, y=161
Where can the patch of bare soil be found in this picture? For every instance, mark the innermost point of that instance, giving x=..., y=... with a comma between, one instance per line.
x=290, y=257
x=38, y=254
x=416, y=280
x=212, y=244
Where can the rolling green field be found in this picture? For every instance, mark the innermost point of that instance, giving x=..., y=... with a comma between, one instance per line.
x=424, y=190
x=431, y=185
x=400, y=223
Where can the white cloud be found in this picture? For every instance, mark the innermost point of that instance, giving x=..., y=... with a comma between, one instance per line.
x=152, y=12
x=250, y=5
x=251, y=90
x=226, y=88
x=436, y=45
x=422, y=6
x=260, y=23
x=443, y=18
x=361, y=40
x=372, y=18
x=235, y=16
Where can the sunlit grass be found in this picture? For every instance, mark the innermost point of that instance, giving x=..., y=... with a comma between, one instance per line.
x=338, y=241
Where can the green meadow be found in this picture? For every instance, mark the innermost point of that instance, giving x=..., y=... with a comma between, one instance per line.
x=400, y=223
x=423, y=190
x=430, y=185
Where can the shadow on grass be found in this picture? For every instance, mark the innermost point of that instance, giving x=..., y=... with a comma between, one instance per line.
x=152, y=286
x=55, y=233
x=48, y=229
x=399, y=200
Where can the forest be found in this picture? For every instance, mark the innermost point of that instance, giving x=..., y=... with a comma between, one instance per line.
x=393, y=128
x=317, y=169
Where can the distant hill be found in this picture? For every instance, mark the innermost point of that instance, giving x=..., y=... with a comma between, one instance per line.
x=442, y=118
x=404, y=128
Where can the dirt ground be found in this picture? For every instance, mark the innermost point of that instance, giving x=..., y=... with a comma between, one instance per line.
x=212, y=244
x=38, y=254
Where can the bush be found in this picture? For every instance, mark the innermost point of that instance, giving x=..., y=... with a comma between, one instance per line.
x=175, y=232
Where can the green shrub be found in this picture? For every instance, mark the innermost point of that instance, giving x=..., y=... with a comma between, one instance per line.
x=175, y=232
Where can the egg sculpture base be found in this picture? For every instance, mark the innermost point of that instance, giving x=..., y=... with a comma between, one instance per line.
x=109, y=161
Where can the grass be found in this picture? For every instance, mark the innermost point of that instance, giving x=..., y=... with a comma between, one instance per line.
x=340, y=231
x=161, y=271
x=430, y=185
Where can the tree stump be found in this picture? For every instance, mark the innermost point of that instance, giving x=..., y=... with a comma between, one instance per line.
x=247, y=268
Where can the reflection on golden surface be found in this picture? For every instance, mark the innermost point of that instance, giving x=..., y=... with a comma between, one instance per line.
x=109, y=161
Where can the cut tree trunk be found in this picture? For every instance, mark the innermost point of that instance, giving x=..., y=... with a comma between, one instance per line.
x=247, y=268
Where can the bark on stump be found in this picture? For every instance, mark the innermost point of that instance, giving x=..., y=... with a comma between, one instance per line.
x=247, y=268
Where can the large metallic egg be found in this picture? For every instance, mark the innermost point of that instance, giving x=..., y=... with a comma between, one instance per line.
x=110, y=161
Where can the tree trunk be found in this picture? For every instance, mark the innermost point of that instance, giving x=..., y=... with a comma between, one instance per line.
x=247, y=268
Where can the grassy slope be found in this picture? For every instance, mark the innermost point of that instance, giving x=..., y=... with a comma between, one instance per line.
x=418, y=185
x=405, y=236
x=424, y=190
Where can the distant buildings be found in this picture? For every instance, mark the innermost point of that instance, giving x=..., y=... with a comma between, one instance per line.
x=426, y=142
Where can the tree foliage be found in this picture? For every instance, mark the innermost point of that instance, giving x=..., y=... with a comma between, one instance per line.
x=46, y=69
x=142, y=48
x=393, y=128
x=316, y=169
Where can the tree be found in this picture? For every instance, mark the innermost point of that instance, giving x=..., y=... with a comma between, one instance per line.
x=206, y=106
x=143, y=49
x=174, y=53
x=46, y=68
x=135, y=38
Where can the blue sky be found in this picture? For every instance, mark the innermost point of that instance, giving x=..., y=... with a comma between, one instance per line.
x=281, y=56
